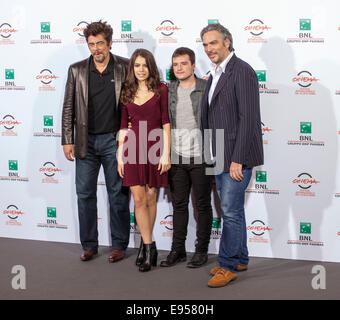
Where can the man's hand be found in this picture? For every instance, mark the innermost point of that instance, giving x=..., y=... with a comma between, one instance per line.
x=69, y=151
x=235, y=171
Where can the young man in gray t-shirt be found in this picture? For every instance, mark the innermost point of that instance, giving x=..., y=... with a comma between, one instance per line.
x=187, y=161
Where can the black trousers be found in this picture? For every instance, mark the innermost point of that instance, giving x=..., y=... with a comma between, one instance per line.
x=183, y=178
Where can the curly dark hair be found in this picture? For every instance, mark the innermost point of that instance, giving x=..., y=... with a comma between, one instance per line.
x=99, y=27
x=130, y=85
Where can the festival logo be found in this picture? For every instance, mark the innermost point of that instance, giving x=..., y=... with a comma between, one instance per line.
x=168, y=30
x=9, y=124
x=7, y=33
x=78, y=31
x=258, y=232
x=50, y=172
x=257, y=30
x=265, y=132
x=305, y=182
x=167, y=224
x=46, y=79
x=304, y=80
x=14, y=215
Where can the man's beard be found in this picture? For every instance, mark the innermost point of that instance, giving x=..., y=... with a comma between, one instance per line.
x=100, y=59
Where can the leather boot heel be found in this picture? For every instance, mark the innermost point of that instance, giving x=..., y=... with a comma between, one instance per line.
x=146, y=265
x=140, y=254
x=154, y=254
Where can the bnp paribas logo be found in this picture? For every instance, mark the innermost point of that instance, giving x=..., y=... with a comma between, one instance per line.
x=126, y=25
x=51, y=212
x=262, y=79
x=261, y=176
x=305, y=227
x=261, y=75
x=216, y=223
x=305, y=24
x=216, y=228
x=305, y=127
x=48, y=121
x=13, y=165
x=9, y=74
x=213, y=21
x=133, y=224
x=45, y=27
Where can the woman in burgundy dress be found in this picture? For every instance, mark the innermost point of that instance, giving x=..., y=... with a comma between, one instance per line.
x=144, y=149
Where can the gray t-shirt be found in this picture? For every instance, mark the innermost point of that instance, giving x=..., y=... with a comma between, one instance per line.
x=185, y=134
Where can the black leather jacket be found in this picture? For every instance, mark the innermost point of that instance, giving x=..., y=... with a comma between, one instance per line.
x=75, y=112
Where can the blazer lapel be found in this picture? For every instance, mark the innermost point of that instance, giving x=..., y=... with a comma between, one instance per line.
x=118, y=78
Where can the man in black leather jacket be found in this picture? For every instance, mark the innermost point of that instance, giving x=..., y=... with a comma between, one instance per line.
x=90, y=121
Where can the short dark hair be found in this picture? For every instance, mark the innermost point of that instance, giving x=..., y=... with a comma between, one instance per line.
x=95, y=28
x=182, y=51
x=224, y=32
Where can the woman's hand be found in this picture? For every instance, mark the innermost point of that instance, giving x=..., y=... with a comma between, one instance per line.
x=120, y=169
x=164, y=164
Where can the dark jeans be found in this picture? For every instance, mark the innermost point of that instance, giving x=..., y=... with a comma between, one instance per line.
x=181, y=178
x=101, y=151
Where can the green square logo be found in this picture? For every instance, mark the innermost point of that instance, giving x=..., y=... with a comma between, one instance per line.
x=305, y=127
x=48, y=121
x=9, y=74
x=212, y=21
x=13, y=165
x=169, y=75
x=305, y=24
x=305, y=227
x=45, y=27
x=51, y=212
x=216, y=223
x=126, y=25
x=261, y=176
x=132, y=217
x=261, y=75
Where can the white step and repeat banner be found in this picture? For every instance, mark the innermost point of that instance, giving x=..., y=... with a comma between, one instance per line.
x=293, y=200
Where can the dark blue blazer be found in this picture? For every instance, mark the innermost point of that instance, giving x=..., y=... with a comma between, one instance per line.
x=235, y=108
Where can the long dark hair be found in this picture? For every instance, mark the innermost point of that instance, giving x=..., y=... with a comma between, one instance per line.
x=131, y=83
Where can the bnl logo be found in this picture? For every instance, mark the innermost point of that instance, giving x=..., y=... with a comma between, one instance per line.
x=45, y=27
x=305, y=25
x=261, y=179
x=9, y=75
x=48, y=124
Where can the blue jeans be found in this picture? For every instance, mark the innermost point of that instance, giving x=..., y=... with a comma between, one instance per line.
x=102, y=150
x=233, y=244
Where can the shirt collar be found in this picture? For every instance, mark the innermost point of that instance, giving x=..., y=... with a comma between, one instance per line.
x=222, y=66
x=109, y=67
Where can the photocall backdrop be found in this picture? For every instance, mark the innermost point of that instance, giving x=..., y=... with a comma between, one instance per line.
x=293, y=200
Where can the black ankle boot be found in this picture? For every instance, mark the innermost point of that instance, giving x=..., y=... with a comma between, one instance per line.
x=150, y=258
x=140, y=254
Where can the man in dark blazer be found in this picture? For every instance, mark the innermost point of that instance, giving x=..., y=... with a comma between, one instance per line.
x=90, y=121
x=231, y=104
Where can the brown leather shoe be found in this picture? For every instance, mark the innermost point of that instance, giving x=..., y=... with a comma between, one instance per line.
x=240, y=268
x=221, y=278
x=88, y=254
x=116, y=255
